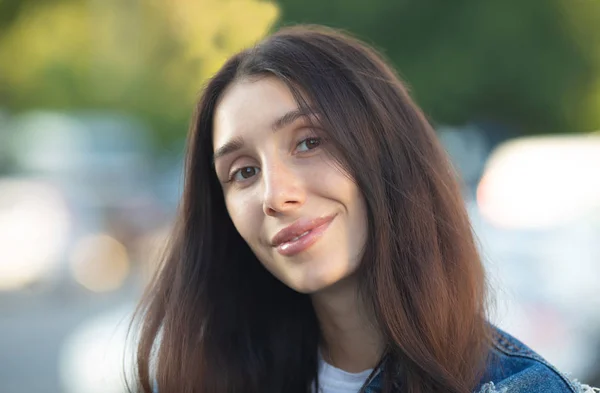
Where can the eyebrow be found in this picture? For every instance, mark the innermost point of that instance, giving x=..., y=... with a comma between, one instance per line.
x=228, y=148
x=282, y=122
x=290, y=118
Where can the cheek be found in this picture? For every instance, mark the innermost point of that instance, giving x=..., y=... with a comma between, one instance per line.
x=335, y=184
x=245, y=215
x=361, y=223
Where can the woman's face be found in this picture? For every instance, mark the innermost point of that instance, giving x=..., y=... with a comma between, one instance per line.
x=302, y=216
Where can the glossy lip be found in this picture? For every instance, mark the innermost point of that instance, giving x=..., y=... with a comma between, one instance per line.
x=284, y=241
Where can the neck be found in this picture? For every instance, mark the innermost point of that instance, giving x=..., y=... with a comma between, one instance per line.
x=350, y=338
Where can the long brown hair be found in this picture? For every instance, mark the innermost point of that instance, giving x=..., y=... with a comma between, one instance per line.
x=214, y=320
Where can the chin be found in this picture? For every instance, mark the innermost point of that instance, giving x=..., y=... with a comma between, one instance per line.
x=312, y=285
x=312, y=273
x=308, y=288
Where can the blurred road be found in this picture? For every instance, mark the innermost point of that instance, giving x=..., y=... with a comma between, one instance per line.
x=33, y=326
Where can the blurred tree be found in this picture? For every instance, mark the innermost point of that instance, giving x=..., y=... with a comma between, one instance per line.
x=532, y=64
x=146, y=57
x=11, y=9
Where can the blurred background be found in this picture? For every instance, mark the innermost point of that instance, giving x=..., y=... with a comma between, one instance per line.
x=95, y=100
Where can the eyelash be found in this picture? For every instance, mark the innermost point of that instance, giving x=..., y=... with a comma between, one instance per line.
x=316, y=138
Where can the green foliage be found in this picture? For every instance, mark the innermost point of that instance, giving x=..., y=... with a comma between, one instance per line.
x=532, y=64
x=148, y=57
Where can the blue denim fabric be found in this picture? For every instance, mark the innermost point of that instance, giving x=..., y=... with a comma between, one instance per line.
x=514, y=368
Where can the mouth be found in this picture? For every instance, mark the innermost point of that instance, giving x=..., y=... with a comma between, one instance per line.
x=301, y=235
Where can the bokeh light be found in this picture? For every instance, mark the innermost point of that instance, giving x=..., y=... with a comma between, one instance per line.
x=541, y=182
x=94, y=357
x=34, y=226
x=99, y=263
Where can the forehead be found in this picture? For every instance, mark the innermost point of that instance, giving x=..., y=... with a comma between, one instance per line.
x=250, y=106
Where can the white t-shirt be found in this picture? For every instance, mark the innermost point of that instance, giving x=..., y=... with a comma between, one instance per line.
x=335, y=380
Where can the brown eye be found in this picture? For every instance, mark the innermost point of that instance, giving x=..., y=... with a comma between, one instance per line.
x=309, y=144
x=245, y=173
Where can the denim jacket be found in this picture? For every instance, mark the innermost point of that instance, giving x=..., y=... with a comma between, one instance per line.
x=514, y=368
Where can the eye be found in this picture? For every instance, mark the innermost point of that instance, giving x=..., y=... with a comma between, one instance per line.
x=244, y=173
x=308, y=144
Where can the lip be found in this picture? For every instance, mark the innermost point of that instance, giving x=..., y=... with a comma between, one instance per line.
x=285, y=240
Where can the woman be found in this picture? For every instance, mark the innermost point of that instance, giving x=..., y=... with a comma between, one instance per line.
x=322, y=243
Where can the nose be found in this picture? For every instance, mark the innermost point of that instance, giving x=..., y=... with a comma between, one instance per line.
x=283, y=190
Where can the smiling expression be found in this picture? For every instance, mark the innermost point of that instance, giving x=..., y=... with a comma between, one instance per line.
x=300, y=213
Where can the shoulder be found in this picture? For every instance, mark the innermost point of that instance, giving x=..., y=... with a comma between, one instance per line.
x=514, y=367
